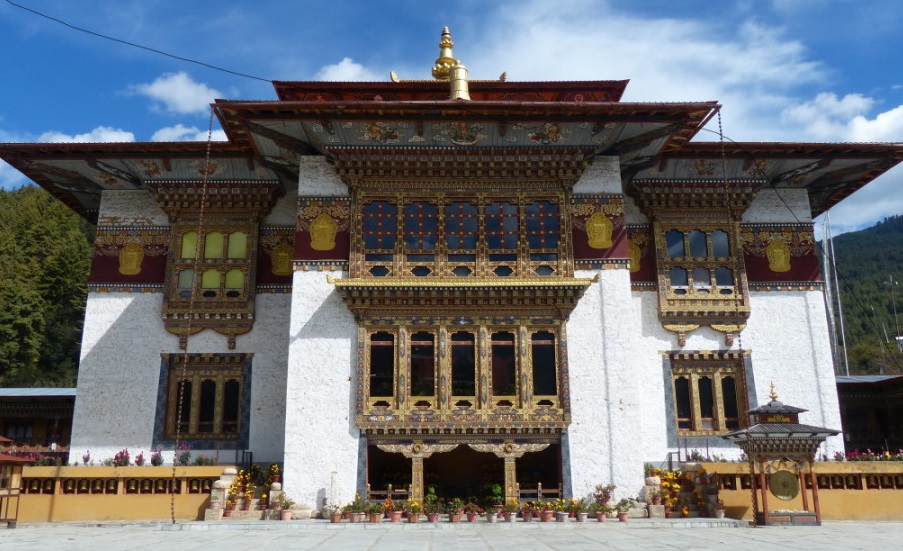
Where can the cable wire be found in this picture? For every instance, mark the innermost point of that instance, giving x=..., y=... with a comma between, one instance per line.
x=134, y=45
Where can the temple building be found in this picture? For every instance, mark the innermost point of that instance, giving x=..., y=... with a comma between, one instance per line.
x=450, y=282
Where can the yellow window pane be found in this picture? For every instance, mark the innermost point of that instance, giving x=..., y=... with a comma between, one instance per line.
x=210, y=279
x=238, y=245
x=186, y=279
x=235, y=279
x=189, y=244
x=213, y=245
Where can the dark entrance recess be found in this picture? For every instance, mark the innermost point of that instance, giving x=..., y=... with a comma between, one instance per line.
x=540, y=467
x=462, y=472
x=384, y=468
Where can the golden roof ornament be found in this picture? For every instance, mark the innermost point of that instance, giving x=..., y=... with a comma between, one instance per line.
x=773, y=394
x=446, y=59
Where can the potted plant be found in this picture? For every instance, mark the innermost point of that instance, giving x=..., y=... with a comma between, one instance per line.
x=393, y=509
x=719, y=509
x=548, y=511
x=601, y=510
x=455, y=509
x=623, y=508
x=358, y=508
x=431, y=505
x=494, y=496
x=375, y=512
x=655, y=497
x=334, y=512
x=472, y=511
x=510, y=510
x=603, y=493
x=580, y=509
x=413, y=509
x=287, y=503
x=528, y=511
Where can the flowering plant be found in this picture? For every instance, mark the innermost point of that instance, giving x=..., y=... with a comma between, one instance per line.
x=511, y=506
x=156, y=458
x=412, y=506
x=473, y=508
x=183, y=453
x=121, y=459
x=139, y=459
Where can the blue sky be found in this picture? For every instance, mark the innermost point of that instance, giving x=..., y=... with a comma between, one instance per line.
x=784, y=70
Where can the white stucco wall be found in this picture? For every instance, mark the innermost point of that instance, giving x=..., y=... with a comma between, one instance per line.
x=779, y=206
x=602, y=176
x=605, y=440
x=120, y=366
x=321, y=438
x=130, y=208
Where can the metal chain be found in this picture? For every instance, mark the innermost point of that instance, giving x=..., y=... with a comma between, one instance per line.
x=196, y=266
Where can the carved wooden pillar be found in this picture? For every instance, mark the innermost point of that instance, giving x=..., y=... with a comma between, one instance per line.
x=509, y=452
x=510, y=478
x=483, y=369
x=417, y=478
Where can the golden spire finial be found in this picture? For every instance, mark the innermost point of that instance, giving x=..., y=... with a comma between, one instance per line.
x=773, y=394
x=446, y=59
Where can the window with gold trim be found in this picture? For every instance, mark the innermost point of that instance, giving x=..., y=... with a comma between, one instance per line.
x=205, y=395
x=460, y=236
x=221, y=258
x=699, y=263
x=451, y=367
x=709, y=393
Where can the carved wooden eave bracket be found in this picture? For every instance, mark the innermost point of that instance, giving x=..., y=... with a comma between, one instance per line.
x=664, y=198
x=461, y=302
x=220, y=199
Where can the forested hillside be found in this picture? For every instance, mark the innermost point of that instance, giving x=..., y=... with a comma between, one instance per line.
x=45, y=255
x=870, y=265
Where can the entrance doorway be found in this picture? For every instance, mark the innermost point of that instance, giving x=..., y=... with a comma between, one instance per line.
x=463, y=472
x=385, y=468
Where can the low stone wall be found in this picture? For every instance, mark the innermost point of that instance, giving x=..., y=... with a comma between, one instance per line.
x=855, y=490
x=69, y=494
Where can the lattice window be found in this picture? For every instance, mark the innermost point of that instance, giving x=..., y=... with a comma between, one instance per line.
x=210, y=389
x=451, y=368
x=221, y=257
x=699, y=263
x=709, y=394
x=452, y=236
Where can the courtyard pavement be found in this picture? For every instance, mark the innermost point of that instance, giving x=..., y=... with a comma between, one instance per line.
x=572, y=536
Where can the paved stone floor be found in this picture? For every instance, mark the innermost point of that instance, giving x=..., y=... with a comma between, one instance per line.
x=636, y=534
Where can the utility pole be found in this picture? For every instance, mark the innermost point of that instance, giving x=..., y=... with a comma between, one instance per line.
x=892, y=287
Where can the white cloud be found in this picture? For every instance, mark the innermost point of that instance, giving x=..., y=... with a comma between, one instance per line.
x=828, y=117
x=10, y=178
x=98, y=135
x=179, y=93
x=347, y=70
x=181, y=133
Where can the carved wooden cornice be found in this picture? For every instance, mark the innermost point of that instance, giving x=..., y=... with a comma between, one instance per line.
x=383, y=297
x=245, y=199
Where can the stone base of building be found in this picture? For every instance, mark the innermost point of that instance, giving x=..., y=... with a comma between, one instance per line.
x=788, y=519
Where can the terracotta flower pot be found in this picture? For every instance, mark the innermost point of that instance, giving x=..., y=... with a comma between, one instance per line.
x=432, y=517
x=527, y=516
x=413, y=517
x=473, y=517
x=395, y=516
x=546, y=516
x=601, y=516
x=454, y=517
x=376, y=517
x=623, y=516
x=581, y=517
x=335, y=517
x=285, y=514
